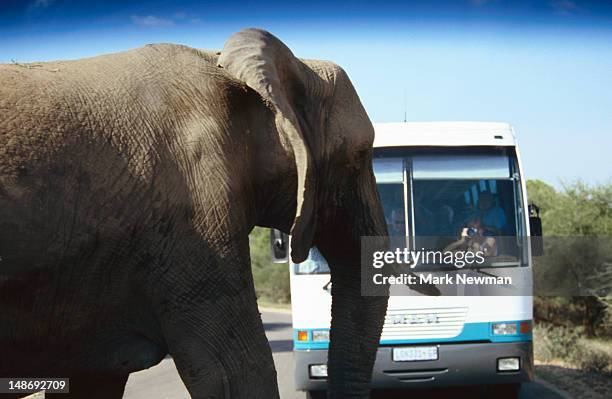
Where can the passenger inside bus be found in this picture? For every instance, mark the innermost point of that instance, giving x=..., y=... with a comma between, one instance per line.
x=491, y=215
x=475, y=238
x=392, y=196
x=398, y=223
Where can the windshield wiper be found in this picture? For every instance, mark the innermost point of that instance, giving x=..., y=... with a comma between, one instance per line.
x=479, y=270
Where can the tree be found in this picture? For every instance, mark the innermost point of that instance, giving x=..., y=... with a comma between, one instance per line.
x=578, y=249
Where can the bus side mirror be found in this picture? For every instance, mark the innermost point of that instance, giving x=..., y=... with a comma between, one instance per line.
x=535, y=229
x=279, y=246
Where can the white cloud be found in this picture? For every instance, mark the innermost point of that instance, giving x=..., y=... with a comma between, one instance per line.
x=37, y=7
x=180, y=15
x=184, y=17
x=41, y=3
x=151, y=21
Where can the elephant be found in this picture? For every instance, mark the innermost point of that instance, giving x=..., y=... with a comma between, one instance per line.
x=129, y=184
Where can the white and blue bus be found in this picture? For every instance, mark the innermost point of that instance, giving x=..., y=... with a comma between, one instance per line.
x=431, y=177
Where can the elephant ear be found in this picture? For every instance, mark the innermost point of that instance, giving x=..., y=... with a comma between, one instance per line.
x=265, y=64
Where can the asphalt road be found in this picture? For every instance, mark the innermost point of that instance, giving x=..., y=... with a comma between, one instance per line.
x=163, y=382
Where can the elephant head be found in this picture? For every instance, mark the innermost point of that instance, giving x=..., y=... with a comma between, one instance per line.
x=327, y=135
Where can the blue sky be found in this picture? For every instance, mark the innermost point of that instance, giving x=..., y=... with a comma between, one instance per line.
x=543, y=66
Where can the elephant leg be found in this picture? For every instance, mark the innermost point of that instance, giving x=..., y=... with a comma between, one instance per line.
x=107, y=386
x=215, y=335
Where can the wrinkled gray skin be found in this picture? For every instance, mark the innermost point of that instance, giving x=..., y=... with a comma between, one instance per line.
x=128, y=186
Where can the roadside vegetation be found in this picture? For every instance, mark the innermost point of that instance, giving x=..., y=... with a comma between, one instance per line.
x=583, y=215
x=271, y=279
x=573, y=334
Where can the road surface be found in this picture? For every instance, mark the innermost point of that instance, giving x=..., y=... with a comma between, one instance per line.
x=163, y=382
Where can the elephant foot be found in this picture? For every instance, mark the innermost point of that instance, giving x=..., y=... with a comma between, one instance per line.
x=252, y=382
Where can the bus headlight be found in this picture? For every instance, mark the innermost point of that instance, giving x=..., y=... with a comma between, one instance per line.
x=504, y=328
x=318, y=370
x=508, y=364
x=320, y=335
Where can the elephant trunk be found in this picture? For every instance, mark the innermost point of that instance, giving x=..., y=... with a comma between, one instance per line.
x=355, y=333
x=357, y=320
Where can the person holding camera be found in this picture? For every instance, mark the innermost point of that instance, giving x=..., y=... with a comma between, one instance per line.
x=474, y=238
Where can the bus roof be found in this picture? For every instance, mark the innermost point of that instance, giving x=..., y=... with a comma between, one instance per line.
x=444, y=134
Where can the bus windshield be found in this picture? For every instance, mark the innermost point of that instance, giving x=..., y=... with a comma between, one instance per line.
x=453, y=200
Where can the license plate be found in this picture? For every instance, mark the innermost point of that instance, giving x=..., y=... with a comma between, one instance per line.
x=415, y=353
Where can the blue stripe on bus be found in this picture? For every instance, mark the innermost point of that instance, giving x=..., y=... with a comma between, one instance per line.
x=470, y=332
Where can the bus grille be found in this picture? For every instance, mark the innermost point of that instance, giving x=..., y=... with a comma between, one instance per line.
x=423, y=323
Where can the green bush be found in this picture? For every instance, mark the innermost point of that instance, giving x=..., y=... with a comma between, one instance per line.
x=565, y=344
x=554, y=342
x=593, y=356
x=271, y=279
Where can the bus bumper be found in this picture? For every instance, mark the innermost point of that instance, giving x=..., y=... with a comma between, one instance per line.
x=457, y=364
